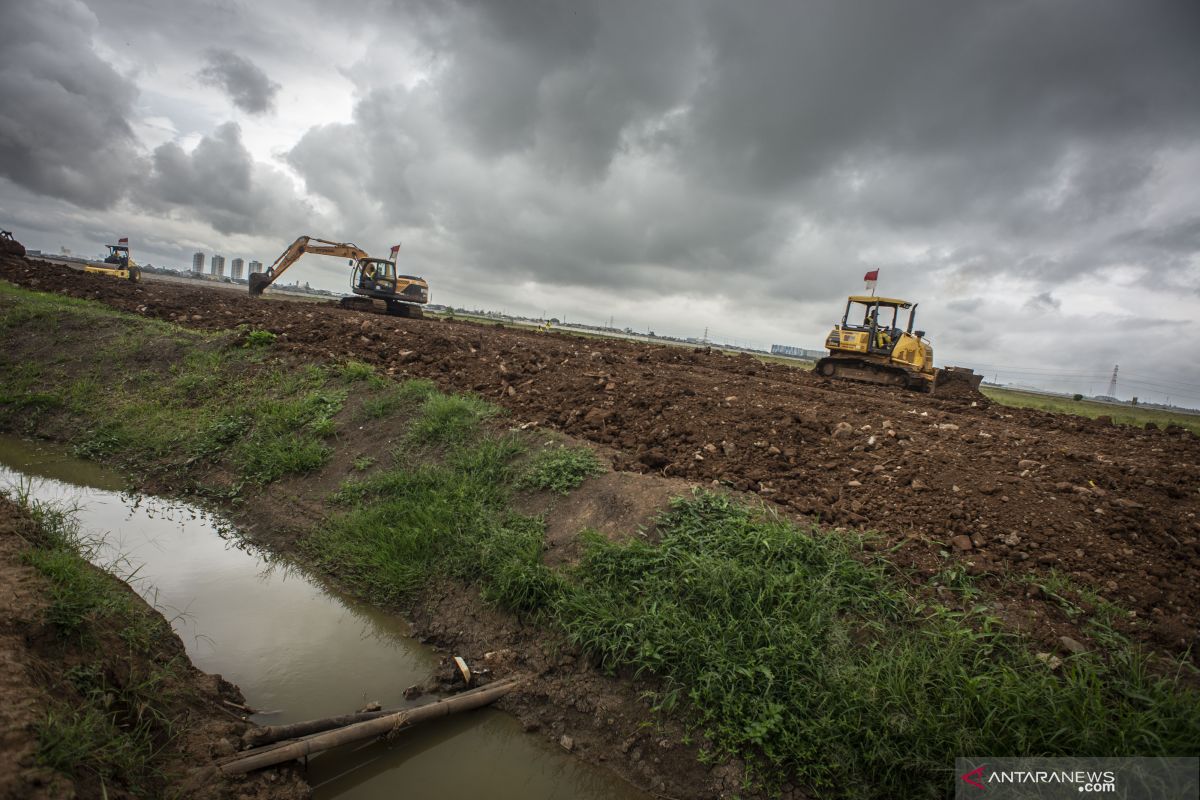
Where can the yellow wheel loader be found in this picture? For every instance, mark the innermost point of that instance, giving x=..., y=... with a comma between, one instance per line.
x=371, y=279
x=118, y=264
x=869, y=345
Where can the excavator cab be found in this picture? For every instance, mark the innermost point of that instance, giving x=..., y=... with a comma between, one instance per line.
x=374, y=275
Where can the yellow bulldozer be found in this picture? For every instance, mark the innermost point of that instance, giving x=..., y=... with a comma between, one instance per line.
x=117, y=264
x=877, y=350
x=371, y=279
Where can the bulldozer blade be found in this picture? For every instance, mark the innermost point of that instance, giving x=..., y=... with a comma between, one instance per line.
x=957, y=380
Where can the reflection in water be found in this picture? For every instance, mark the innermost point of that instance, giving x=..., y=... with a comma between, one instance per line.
x=292, y=645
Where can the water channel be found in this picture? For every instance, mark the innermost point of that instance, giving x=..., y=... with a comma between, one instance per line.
x=294, y=646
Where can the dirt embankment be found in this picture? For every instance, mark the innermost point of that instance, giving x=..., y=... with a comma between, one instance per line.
x=1017, y=496
x=48, y=700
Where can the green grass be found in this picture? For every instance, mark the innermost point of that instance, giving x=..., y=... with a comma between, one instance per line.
x=198, y=397
x=259, y=339
x=786, y=648
x=791, y=652
x=417, y=518
x=397, y=398
x=109, y=716
x=560, y=469
x=448, y=420
x=1120, y=414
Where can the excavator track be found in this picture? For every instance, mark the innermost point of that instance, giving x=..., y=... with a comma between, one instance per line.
x=857, y=369
x=376, y=306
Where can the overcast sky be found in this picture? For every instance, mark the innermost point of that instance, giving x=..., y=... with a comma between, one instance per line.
x=1028, y=171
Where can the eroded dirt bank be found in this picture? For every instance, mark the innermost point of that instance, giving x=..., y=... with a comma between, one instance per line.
x=1017, y=497
x=110, y=709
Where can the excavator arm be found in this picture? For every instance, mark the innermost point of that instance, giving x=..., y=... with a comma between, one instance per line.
x=305, y=244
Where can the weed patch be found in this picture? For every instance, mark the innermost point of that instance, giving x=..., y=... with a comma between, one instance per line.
x=560, y=469
x=448, y=420
x=797, y=656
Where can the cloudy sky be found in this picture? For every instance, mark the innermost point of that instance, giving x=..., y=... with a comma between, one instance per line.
x=1028, y=171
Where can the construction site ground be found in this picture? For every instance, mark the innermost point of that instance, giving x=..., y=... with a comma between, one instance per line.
x=1027, y=503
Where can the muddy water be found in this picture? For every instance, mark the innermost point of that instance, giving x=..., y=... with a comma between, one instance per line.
x=298, y=649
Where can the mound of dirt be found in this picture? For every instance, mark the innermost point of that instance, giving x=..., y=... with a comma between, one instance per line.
x=1011, y=495
x=10, y=246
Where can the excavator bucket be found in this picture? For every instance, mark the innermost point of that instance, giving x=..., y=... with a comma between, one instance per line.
x=258, y=282
x=957, y=382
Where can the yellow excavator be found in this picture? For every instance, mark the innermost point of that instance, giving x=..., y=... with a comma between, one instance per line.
x=877, y=350
x=117, y=264
x=371, y=279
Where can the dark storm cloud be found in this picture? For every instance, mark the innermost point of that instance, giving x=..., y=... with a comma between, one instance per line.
x=1002, y=135
x=220, y=184
x=243, y=81
x=567, y=82
x=64, y=129
x=1043, y=303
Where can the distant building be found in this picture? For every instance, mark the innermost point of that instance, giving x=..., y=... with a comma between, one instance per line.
x=235, y=268
x=256, y=266
x=197, y=262
x=796, y=352
x=217, y=265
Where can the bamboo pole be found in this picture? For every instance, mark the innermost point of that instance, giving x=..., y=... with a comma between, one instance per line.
x=296, y=730
x=277, y=754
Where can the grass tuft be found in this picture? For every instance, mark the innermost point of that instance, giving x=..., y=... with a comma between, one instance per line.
x=560, y=469
x=449, y=420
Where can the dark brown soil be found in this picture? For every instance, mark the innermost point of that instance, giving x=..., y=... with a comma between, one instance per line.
x=33, y=659
x=1011, y=493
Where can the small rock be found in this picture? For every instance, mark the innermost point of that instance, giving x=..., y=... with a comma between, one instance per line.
x=511, y=391
x=732, y=398
x=842, y=429
x=566, y=743
x=1071, y=645
x=919, y=484
x=1026, y=463
x=947, y=426
x=962, y=542
x=773, y=450
x=1050, y=660
x=854, y=484
x=729, y=448
x=223, y=747
x=710, y=448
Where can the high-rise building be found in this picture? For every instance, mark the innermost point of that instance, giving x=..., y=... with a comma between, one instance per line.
x=198, y=262
x=217, y=265
x=235, y=269
x=256, y=266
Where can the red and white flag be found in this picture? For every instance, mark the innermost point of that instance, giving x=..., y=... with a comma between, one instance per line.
x=395, y=250
x=870, y=278
x=123, y=240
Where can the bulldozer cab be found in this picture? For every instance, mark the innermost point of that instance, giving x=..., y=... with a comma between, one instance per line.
x=880, y=320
